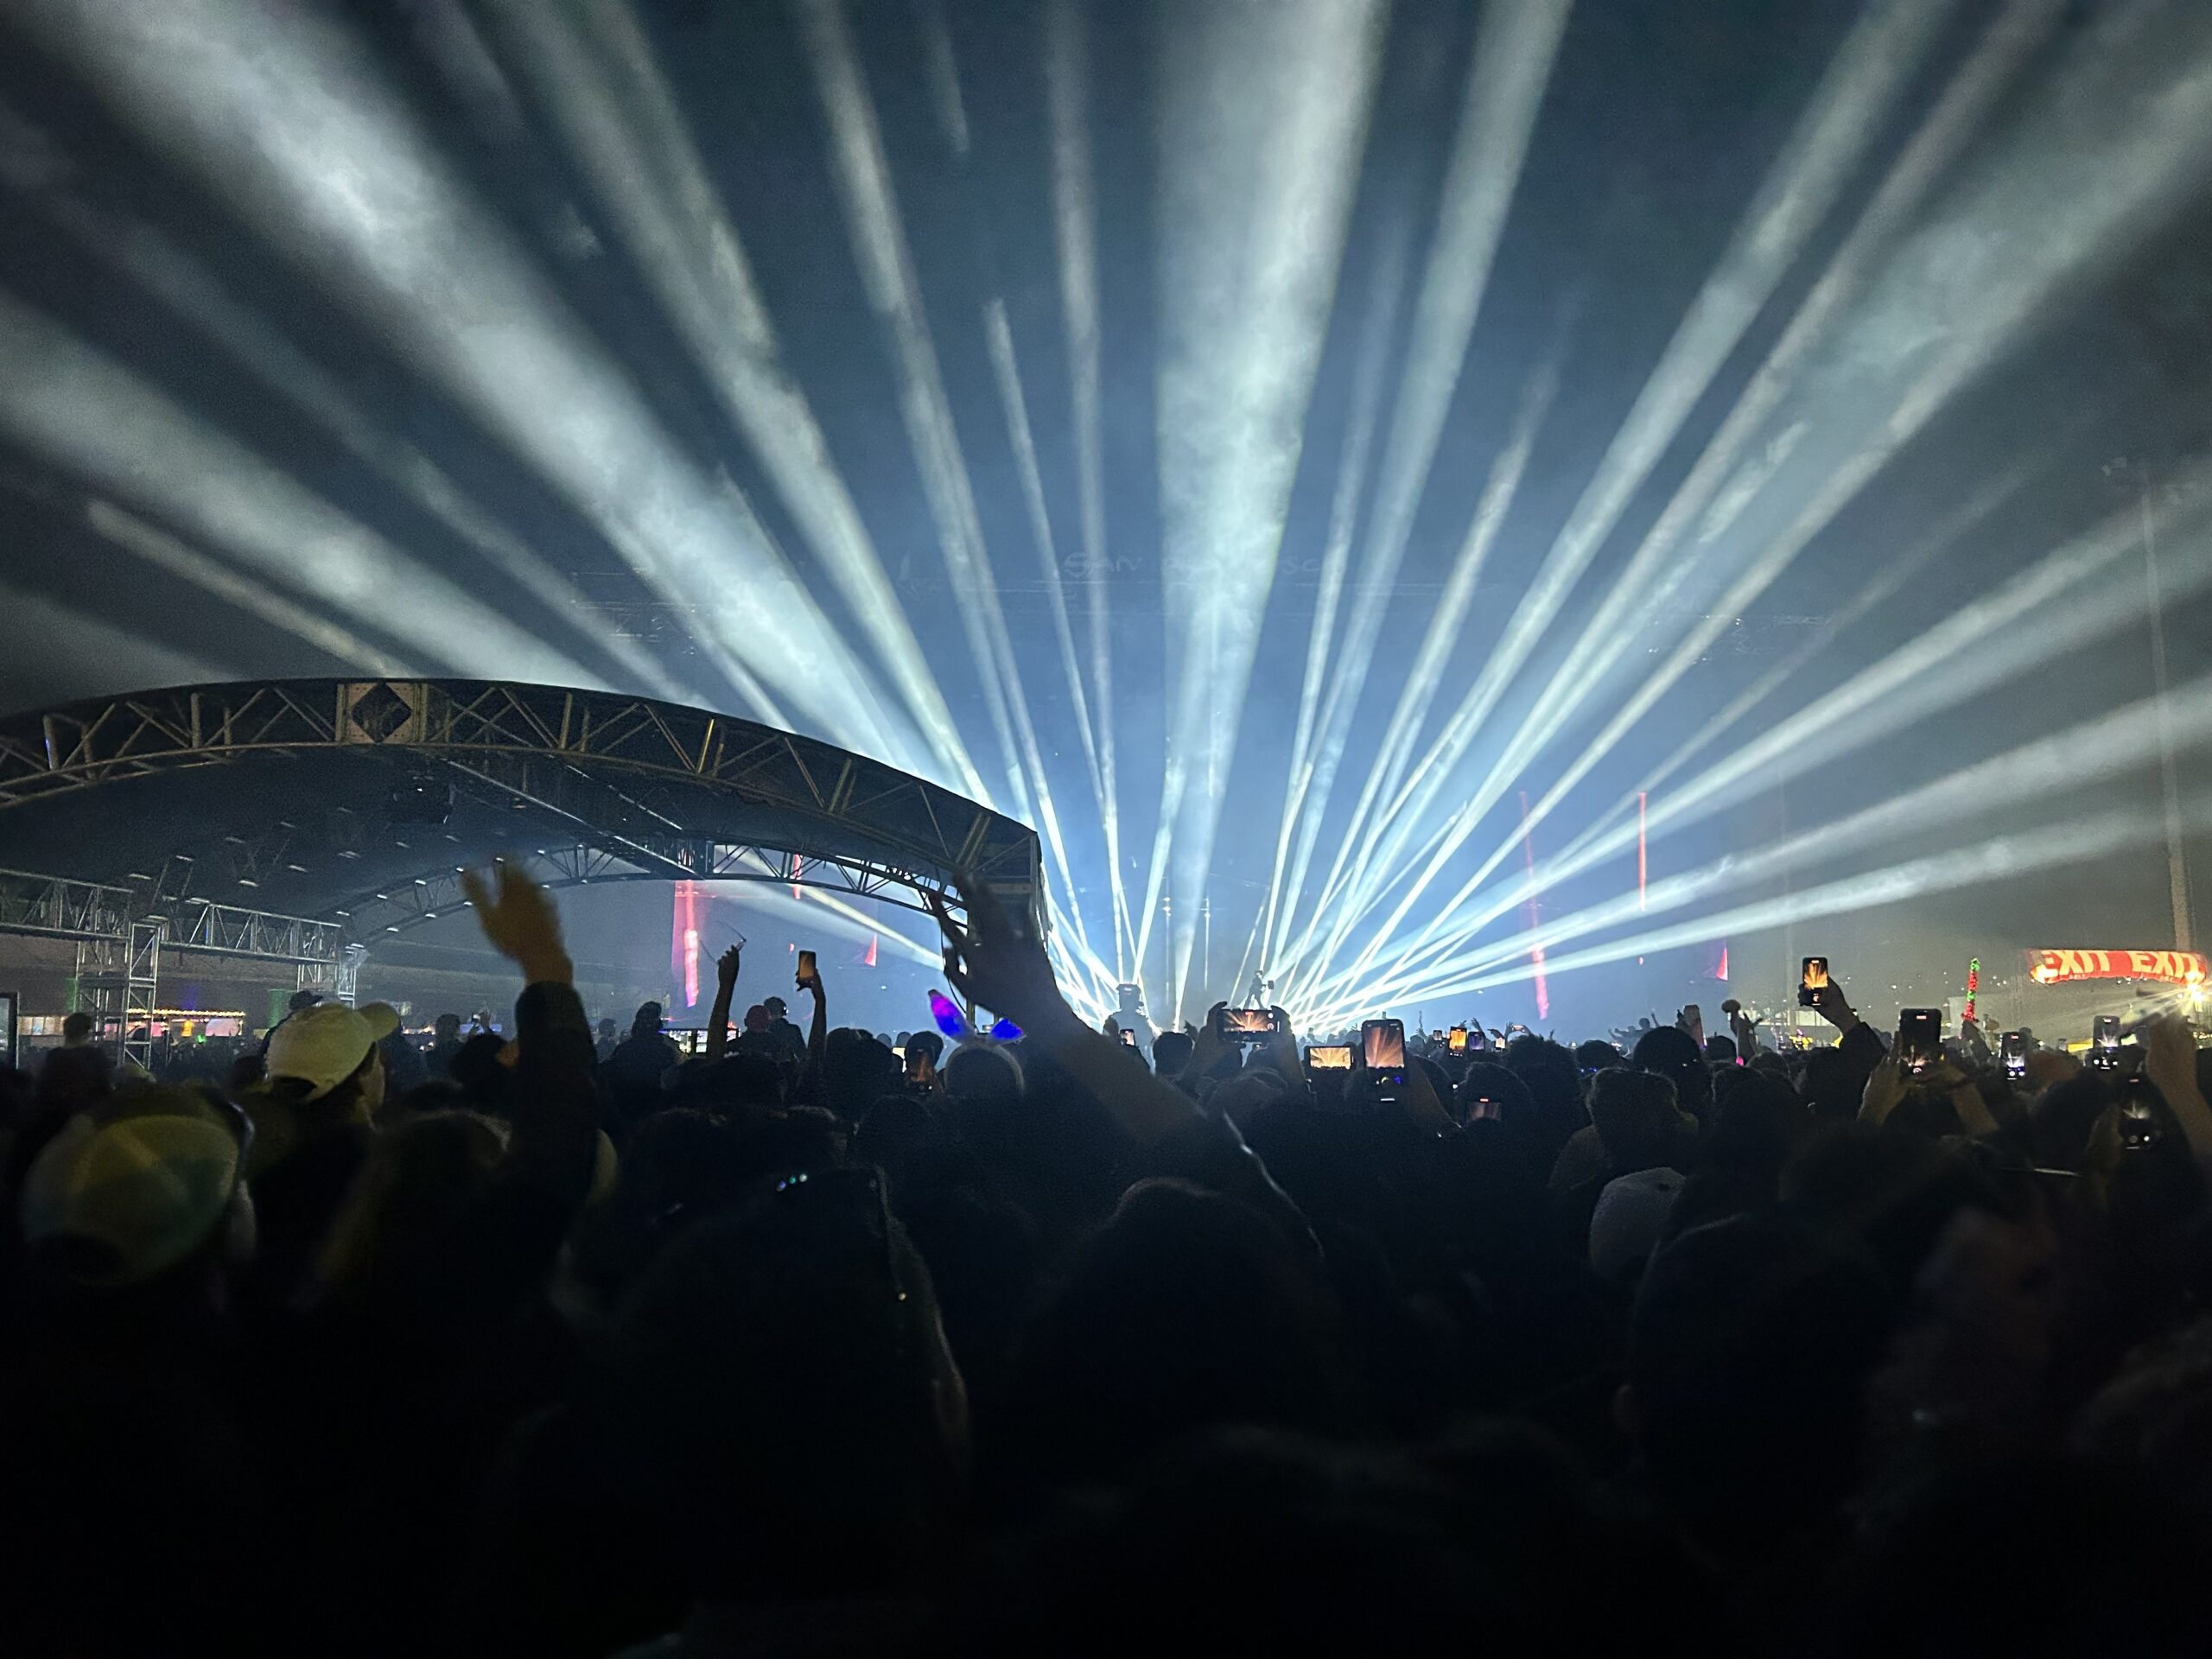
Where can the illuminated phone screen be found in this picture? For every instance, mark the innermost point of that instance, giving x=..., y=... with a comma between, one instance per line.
x=1385, y=1043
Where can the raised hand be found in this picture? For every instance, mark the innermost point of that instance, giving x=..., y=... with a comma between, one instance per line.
x=1420, y=1103
x=997, y=964
x=1971, y=1040
x=1281, y=1048
x=1208, y=1047
x=2169, y=1061
x=520, y=922
x=718, y=1016
x=1885, y=1087
x=1831, y=1005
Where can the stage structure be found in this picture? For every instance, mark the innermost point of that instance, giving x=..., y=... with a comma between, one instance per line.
x=304, y=821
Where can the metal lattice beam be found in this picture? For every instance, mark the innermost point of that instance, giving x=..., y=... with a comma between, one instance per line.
x=634, y=780
x=54, y=907
x=400, y=906
x=226, y=930
x=51, y=907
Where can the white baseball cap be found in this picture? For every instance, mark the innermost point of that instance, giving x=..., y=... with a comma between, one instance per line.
x=325, y=1044
x=1631, y=1213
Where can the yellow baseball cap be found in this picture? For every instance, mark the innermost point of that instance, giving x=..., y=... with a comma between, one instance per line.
x=139, y=1193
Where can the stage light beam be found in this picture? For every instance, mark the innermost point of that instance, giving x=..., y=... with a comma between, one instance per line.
x=1870, y=72
x=2063, y=603
x=92, y=418
x=279, y=112
x=1509, y=70
x=596, y=77
x=1263, y=122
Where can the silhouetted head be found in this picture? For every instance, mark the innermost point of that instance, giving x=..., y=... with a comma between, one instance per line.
x=1757, y=1122
x=1171, y=1052
x=1832, y=1086
x=1636, y=1119
x=857, y=1072
x=1890, y=1195
x=1669, y=1052
x=1749, y=1352
x=781, y=1387
x=1488, y=1090
x=1548, y=1069
x=982, y=1074
x=403, y=1229
x=1187, y=1309
x=1252, y=1540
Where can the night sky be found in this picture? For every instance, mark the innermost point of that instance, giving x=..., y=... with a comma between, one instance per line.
x=1397, y=417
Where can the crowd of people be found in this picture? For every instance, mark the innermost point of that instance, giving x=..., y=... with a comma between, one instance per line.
x=564, y=1343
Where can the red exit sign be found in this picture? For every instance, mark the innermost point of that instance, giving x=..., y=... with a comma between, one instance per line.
x=2170, y=966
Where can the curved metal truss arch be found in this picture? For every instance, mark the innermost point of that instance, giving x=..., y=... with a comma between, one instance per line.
x=304, y=820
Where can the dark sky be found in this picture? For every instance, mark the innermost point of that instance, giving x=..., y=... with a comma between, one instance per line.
x=2064, y=231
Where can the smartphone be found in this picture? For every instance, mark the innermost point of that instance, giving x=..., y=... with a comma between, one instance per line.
x=1244, y=1024
x=2137, y=1117
x=1456, y=1038
x=1329, y=1057
x=1811, y=980
x=2104, y=1043
x=1129, y=1038
x=806, y=966
x=1383, y=1044
x=1920, y=1040
x=2012, y=1047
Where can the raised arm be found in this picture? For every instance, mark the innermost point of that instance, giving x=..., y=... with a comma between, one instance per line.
x=1000, y=966
x=725, y=968
x=817, y=1028
x=2169, y=1061
x=555, y=1108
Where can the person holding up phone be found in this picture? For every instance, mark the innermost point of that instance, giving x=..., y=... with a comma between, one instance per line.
x=1859, y=1048
x=808, y=979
